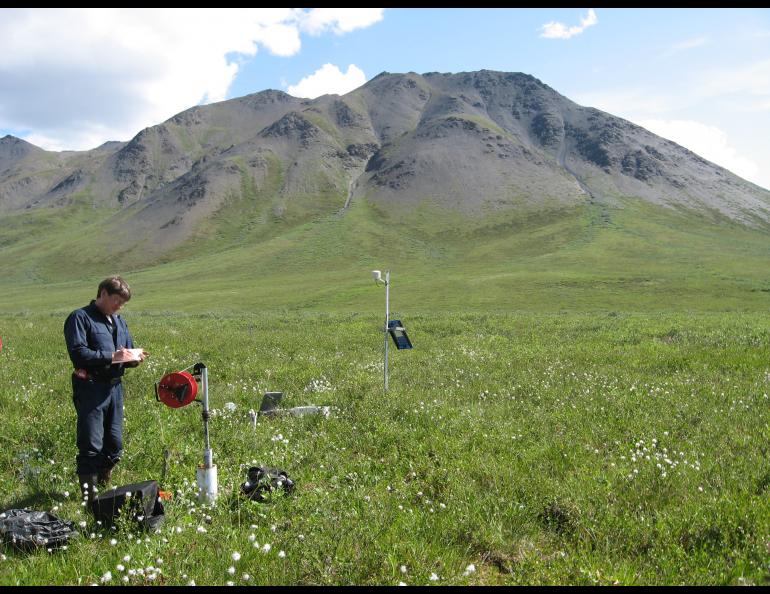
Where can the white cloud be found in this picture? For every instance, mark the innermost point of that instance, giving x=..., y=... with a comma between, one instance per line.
x=328, y=79
x=685, y=45
x=690, y=44
x=556, y=30
x=78, y=77
x=752, y=78
x=630, y=100
x=339, y=20
x=709, y=142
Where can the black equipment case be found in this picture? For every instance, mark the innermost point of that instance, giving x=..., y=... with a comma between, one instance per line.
x=139, y=501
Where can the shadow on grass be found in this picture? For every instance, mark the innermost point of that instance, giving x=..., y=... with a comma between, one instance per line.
x=36, y=500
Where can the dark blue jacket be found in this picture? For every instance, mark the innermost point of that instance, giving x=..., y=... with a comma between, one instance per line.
x=90, y=343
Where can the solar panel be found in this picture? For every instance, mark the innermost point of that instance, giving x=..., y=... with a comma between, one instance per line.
x=398, y=333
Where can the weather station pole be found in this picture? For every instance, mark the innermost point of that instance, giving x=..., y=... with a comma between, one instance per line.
x=386, y=281
x=385, y=329
x=394, y=328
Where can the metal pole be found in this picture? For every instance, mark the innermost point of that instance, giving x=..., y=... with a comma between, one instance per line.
x=387, y=316
x=206, y=473
x=207, y=457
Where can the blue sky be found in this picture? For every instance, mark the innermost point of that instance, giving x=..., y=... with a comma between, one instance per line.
x=71, y=79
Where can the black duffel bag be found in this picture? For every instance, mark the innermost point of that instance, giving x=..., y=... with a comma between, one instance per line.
x=140, y=502
x=27, y=529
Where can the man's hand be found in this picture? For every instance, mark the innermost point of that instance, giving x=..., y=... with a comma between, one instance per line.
x=125, y=355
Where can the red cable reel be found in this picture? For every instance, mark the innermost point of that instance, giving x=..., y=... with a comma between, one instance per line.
x=176, y=389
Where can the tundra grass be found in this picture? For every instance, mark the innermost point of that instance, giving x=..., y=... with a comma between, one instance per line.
x=518, y=448
x=589, y=258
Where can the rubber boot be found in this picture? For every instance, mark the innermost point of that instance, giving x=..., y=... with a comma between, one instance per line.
x=87, y=484
x=104, y=476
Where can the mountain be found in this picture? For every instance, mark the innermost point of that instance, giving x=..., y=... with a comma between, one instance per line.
x=474, y=155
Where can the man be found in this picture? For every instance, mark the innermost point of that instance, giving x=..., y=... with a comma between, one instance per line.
x=100, y=347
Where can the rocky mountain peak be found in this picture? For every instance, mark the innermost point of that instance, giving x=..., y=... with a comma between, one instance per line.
x=470, y=142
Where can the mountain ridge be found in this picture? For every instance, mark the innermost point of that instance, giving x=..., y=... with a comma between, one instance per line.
x=434, y=151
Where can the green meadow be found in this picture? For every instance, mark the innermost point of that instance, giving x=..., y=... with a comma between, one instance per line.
x=590, y=258
x=587, y=401
x=510, y=449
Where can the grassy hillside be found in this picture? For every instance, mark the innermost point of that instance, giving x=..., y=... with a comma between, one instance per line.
x=592, y=257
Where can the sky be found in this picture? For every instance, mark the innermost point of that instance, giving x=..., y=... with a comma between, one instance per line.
x=72, y=79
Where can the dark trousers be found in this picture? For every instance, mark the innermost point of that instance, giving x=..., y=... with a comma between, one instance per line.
x=100, y=424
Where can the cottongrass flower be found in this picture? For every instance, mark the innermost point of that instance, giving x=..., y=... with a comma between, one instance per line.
x=120, y=567
x=402, y=583
x=470, y=569
x=113, y=541
x=281, y=554
x=191, y=583
x=107, y=577
x=231, y=570
x=403, y=568
x=433, y=577
x=236, y=556
x=266, y=547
